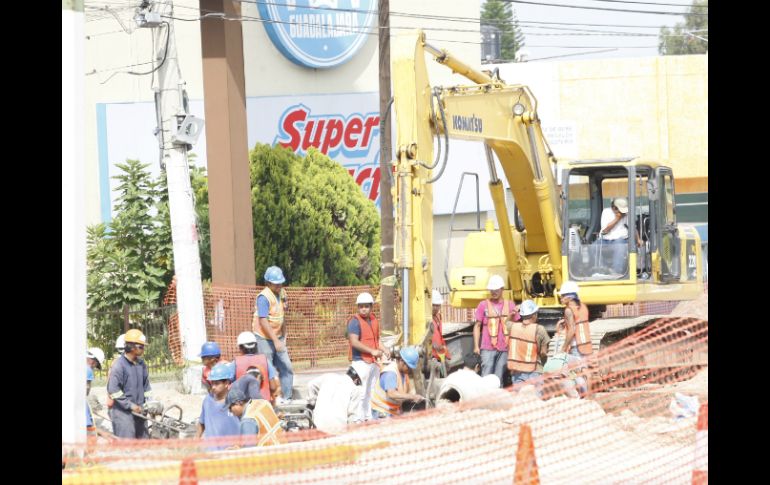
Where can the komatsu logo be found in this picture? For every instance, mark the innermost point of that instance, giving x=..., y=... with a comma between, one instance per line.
x=467, y=123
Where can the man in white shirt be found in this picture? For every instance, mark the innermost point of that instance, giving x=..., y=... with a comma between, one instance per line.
x=614, y=224
x=337, y=400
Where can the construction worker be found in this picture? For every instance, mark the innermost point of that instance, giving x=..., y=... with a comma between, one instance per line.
x=210, y=356
x=573, y=331
x=440, y=350
x=95, y=358
x=270, y=385
x=490, y=331
x=90, y=426
x=335, y=400
x=392, y=388
x=364, y=348
x=528, y=346
x=129, y=386
x=258, y=423
x=214, y=420
x=269, y=327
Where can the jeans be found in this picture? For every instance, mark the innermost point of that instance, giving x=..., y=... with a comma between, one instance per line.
x=369, y=373
x=281, y=361
x=493, y=362
x=517, y=377
x=619, y=254
x=579, y=382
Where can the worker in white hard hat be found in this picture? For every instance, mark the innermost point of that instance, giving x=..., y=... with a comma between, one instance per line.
x=528, y=346
x=269, y=385
x=440, y=350
x=364, y=348
x=573, y=332
x=490, y=332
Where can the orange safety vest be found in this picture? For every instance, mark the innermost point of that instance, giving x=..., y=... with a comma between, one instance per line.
x=380, y=400
x=270, y=431
x=275, y=313
x=523, y=347
x=492, y=321
x=243, y=362
x=582, y=337
x=438, y=339
x=370, y=336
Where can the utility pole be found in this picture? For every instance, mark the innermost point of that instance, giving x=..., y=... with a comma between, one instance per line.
x=177, y=132
x=386, y=200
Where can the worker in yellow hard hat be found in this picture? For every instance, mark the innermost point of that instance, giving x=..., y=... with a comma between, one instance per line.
x=129, y=387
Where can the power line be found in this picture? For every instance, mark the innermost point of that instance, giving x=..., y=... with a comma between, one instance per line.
x=653, y=3
x=601, y=8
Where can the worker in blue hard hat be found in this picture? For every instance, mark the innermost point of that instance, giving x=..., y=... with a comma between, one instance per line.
x=269, y=327
x=393, y=386
x=210, y=355
x=215, y=421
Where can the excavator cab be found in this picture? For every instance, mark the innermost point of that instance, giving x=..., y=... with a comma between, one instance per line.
x=591, y=187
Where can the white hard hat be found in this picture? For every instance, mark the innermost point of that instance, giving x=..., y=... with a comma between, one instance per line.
x=247, y=338
x=568, y=287
x=96, y=353
x=528, y=307
x=364, y=298
x=120, y=343
x=495, y=282
x=437, y=298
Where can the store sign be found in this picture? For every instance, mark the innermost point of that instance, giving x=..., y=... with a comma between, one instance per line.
x=318, y=33
x=345, y=127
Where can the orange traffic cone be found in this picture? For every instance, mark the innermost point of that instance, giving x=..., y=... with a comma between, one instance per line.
x=188, y=475
x=526, y=464
x=700, y=469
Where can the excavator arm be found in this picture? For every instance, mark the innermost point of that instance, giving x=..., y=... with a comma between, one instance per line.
x=503, y=117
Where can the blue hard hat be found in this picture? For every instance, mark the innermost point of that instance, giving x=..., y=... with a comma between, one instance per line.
x=234, y=396
x=222, y=371
x=210, y=349
x=528, y=307
x=274, y=275
x=410, y=356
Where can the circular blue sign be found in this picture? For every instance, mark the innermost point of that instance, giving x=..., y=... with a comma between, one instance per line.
x=318, y=33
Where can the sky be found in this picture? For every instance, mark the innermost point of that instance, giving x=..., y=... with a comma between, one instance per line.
x=563, y=44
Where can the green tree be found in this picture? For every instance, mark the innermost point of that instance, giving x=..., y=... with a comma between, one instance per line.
x=688, y=37
x=312, y=220
x=500, y=14
x=125, y=259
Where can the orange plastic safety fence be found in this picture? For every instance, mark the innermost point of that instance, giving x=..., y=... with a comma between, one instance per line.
x=629, y=428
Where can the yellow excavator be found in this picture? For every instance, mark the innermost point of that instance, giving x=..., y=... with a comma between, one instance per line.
x=556, y=235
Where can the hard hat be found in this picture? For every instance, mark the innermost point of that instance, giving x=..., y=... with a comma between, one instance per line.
x=354, y=375
x=274, y=275
x=247, y=339
x=410, y=356
x=210, y=349
x=96, y=353
x=568, y=287
x=234, y=396
x=622, y=204
x=135, y=336
x=364, y=298
x=437, y=299
x=120, y=343
x=220, y=372
x=495, y=282
x=528, y=307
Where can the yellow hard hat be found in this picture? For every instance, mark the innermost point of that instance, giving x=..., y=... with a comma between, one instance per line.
x=135, y=336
